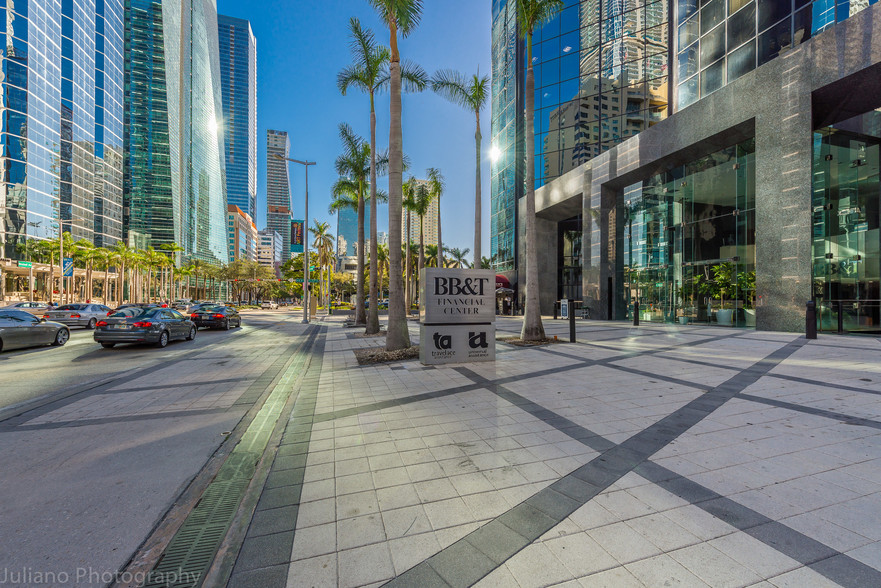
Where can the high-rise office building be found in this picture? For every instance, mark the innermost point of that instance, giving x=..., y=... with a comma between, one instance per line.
x=175, y=189
x=347, y=230
x=238, y=73
x=278, y=187
x=58, y=56
x=600, y=77
x=429, y=222
x=242, y=234
x=759, y=190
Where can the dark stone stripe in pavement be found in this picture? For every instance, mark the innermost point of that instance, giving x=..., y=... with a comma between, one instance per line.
x=86, y=422
x=825, y=384
x=829, y=414
x=832, y=564
x=266, y=550
x=548, y=507
x=173, y=386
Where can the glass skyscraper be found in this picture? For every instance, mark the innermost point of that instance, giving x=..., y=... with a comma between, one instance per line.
x=600, y=70
x=278, y=187
x=175, y=189
x=347, y=230
x=238, y=73
x=58, y=57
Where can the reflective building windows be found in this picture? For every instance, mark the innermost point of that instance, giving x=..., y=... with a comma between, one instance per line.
x=733, y=37
x=688, y=242
x=61, y=103
x=238, y=74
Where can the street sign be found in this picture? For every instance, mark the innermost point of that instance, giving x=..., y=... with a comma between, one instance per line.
x=25, y=264
x=68, y=267
x=301, y=281
x=564, y=308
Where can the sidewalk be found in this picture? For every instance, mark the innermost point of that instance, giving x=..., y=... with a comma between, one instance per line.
x=659, y=455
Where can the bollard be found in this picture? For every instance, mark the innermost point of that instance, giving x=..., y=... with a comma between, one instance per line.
x=840, y=306
x=636, y=314
x=556, y=304
x=571, y=321
x=811, y=320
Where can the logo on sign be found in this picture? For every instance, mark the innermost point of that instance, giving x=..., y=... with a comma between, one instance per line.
x=459, y=286
x=443, y=342
x=477, y=340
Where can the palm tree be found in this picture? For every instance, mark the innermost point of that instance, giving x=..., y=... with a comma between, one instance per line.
x=419, y=204
x=324, y=246
x=403, y=16
x=356, y=165
x=382, y=259
x=172, y=250
x=488, y=262
x=431, y=257
x=409, y=197
x=436, y=186
x=471, y=94
x=370, y=74
x=532, y=13
x=457, y=257
x=122, y=254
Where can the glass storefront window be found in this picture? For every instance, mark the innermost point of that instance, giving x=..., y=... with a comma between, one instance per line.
x=688, y=242
x=846, y=257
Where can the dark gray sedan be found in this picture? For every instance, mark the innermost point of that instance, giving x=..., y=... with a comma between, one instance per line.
x=22, y=329
x=78, y=315
x=144, y=325
x=216, y=317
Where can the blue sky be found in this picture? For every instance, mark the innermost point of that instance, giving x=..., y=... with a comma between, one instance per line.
x=300, y=48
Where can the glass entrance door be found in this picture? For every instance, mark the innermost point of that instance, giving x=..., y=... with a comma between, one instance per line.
x=846, y=257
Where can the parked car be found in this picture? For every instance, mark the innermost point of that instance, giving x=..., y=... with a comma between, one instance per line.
x=269, y=305
x=216, y=317
x=78, y=315
x=181, y=304
x=22, y=329
x=145, y=325
x=35, y=308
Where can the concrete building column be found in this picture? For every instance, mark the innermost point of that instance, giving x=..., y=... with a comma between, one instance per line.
x=598, y=272
x=784, y=232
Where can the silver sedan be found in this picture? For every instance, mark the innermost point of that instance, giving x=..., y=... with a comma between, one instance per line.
x=22, y=329
x=35, y=308
x=78, y=315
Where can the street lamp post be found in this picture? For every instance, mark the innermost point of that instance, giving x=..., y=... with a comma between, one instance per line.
x=305, y=164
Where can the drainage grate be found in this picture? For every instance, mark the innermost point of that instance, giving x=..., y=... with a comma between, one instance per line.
x=192, y=549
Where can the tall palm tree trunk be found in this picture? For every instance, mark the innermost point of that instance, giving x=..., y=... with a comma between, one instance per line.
x=373, y=315
x=478, y=205
x=440, y=243
x=360, y=313
x=409, y=292
x=532, y=330
x=398, y=335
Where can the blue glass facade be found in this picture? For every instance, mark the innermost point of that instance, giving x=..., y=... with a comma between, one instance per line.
x=238, y=73
x=52, y=135
x=720, y=40
x=601, y=77
x=175, y=190
x=347, y=230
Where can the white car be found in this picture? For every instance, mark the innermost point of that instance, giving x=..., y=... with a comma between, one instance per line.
x=269, y=306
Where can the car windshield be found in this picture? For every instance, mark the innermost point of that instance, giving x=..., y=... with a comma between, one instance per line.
x=72, y=307
x=132, y=311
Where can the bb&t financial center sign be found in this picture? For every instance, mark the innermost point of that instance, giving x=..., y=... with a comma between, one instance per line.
x=457, y=316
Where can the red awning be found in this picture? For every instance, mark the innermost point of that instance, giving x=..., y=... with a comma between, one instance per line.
x=502, y=281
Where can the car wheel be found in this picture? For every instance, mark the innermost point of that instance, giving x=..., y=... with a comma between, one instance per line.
x=192, y=334
x=239, y=324
x=226, y=325
x=92, y=323
x=163, y=339
x=61, y=337
x=107, y=345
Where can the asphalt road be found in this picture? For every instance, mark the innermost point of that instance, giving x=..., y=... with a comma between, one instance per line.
x=44, y=372
x=99, y=443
